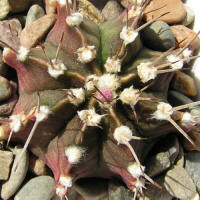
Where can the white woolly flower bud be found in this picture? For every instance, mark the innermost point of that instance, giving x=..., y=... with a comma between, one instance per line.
x=61, y=191
x=90, y=117
x=65, y=181
x=57, y=69
x=108, y=81
x=146, y=71
x=76, y=96
x=139, y=185
x=22, y=53
x=186, y=54
x=86, y=54
x=178, y=63
x=17, y=122
x=42, y=114
x=75, y=19
x=129, y=96
x=136, y=170
x=128, y=35
x=113, y=65
x=74, y=153
x=163, y=112
x=91, y=81
x=122, y=134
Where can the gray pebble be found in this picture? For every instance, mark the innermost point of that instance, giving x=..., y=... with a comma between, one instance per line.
x=5, y=89
x=163, y=160
x=111, y=10
x=4, y=9
x=116, y=191
x=192, y=165
x=190, y=16
x=16, y=177
x=179, y=183
x=34, y=13
x=158, y=36
x=39, y=188
x=6, y=158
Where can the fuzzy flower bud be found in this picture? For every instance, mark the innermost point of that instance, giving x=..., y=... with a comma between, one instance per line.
x=86, y=54
x=57, y=69
x=136, y=170
x=163, y=112
x=23, y=53
x=108, y=81
x=175, y=60
x=146, y=71
x=65, y=181
x=134, y=11
x=113, y=65
x=43, y=113
x=186, y=54
x=17, y=122
x=105, y=95
x=90, y=117
x=75, y=19
x=187, y=119
x=128, y=35
x=76, y=96
x=122, y=134
x=91, y=81
x=139, y=185
x=129, y=96
x=74, y=153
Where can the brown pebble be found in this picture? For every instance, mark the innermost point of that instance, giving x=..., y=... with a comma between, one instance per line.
x=181, y=33
x=175, y=7
x=34, y=32
x=184, y=84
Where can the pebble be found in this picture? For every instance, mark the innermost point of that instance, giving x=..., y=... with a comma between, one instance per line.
x=50, y=6
x=125, y=5
x=192, y=165
x=190, y=16
x=6, y=158
x=153, y=193
x=111, y=10
x=3, y=134
x=37, y=166
x=160, y=162
x=175, y=8
x=19, y=6
x=180, y=159
x=117, y=191
x=40, y=188
x=184, y=83
x=34, y=13
x=184, y=34
x=16, y=177
x=179, y=183
x=158, y=36
x=92, y=188
x=4, y=9
x=5, y=89
x=34, y=32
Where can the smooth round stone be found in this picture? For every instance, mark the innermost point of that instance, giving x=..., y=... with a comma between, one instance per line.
x=16, y=177
x=179, y=183
x=190, y=16
x=34, y=13
x=174, y=8
x=158, y=36
x=5, y=89
x=40, y=188
x=192, y=165
x=111, y=10
x=185, y=84
x=4, y=9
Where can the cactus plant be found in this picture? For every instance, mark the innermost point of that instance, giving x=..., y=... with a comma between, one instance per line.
x=91, y=98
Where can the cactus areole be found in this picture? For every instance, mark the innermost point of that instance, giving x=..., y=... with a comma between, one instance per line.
x=88, y=108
